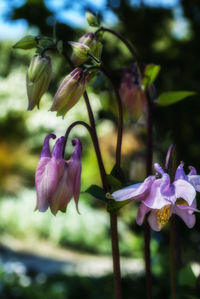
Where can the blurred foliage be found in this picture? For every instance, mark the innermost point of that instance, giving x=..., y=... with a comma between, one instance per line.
x=150, y=29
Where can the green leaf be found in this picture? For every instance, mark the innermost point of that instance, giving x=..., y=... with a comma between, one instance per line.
x=172, y=97
x=113, y=182
x=96, y=192
x=119, y=174
x=187, y=277
x=114, y=206
x=150, y=74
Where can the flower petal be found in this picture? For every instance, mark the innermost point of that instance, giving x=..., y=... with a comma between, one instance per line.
x=136, y=191
x=58, y=148
x=155, y=200
x=45, y=149
x=192, y=171
x=152, y=219
x=186, y=214
x=180, y=174
x=195, y=181
x=142, y=211
x=184, y=190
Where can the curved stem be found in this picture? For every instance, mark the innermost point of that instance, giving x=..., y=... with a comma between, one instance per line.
x=126, y=43
x=172, y=258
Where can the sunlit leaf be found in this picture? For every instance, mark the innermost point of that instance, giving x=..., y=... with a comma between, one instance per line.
x=150, y=74
x=172, y=97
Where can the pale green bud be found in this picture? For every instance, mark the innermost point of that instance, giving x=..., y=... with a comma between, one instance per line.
x=92, y=19
x=80, y=49
x=37, y=67
x=89, y=40
x=70, y=91
x=36, y=88
x=25, y=43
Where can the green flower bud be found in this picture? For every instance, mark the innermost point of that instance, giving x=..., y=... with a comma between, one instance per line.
x=39, y=83
x=92, y=19
x=80, y=50
x=37, y=67
x=89, y=40
x=25, y=43
x=70, y=91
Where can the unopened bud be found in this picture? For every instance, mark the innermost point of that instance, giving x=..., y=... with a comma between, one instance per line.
x=25, y=43
x=87, y=40
x=37, y=66
x=80, y=49
x=37, y=87
x=92, y=19
x=70, y=91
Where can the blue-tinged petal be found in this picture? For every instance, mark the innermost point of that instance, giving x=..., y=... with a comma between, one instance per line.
x=192, y=171
x=180, y=174
x=57, y=152
x=195, y=181
x=154, y=199
x=136, y=191
x=158, y=168
x=184, y=190
x=45, y=149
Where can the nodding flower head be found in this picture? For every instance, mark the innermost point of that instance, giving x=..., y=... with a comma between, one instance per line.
x=86, y=45
x=57, y=180
x=70, y=91
x=132, y=95
x=161, y=198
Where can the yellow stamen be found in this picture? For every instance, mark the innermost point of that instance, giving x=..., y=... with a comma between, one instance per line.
x=163, y=215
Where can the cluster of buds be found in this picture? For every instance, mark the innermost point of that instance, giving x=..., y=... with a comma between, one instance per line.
x=131, y=92
x=70, y=91
x=57, y=180
x=37, y=79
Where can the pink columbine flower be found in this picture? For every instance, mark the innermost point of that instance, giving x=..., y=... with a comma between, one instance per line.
x=161, y=198
x=131, y=92
x=57, y=180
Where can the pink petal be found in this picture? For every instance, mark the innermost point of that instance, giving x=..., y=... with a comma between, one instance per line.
x=136, y=191
x=186, y=214
x=184, y=190
x=152, y=219
x=155, y=200
x=142, y=211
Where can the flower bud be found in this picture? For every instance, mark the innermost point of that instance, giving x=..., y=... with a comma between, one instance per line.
x=70, y=91
x=92, y=19
x=87, y=45
x=37, y=67
x=37, y=79
x=132, y=95
x=25, y=43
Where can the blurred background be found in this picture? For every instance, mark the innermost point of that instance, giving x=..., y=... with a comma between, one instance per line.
x=68, y=256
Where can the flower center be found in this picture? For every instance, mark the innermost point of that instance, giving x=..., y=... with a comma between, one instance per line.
x=181, y=201
x=163, y=215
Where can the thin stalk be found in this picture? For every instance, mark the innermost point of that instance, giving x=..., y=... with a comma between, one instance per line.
x=147, y=232
x=113, y=217
x=172, y=259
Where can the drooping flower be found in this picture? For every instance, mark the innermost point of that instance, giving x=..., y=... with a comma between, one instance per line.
x=86, y=45
x=131, y=92
x=57, y=180
x=37, y=79
x=161, y=198
x=70, y=91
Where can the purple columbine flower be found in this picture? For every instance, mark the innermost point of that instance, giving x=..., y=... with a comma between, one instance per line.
x=57, y=180
x=161, y=198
